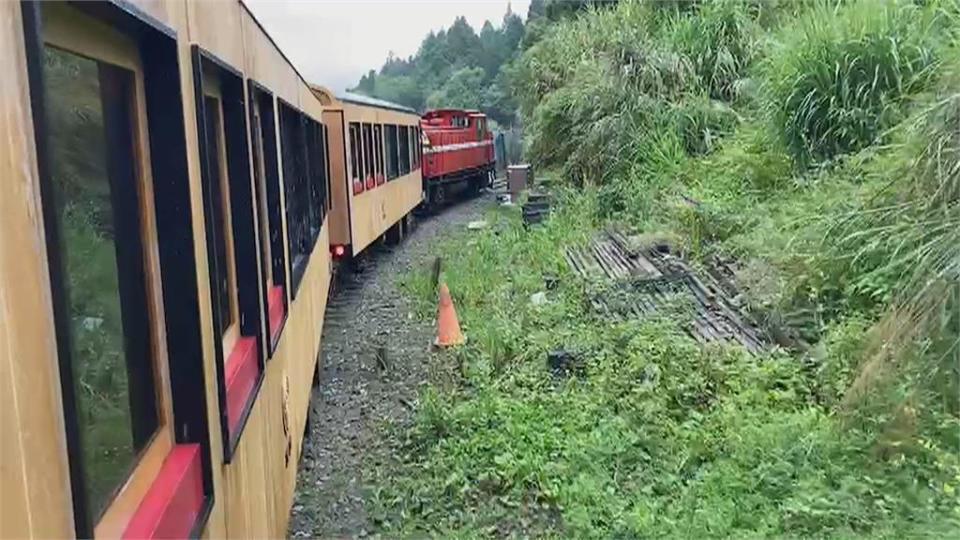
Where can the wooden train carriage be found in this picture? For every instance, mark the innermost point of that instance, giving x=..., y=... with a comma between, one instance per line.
x=375, y=169
x=163, y=270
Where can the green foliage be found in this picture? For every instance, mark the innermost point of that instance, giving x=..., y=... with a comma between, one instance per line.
x=659, y=437
x=813, y=147
x=840, y=74
x=721, y=41
x=464, y=89
x=597, y=89
x=454, y=67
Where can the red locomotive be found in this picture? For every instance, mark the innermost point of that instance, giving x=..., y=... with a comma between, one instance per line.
x=457, y=152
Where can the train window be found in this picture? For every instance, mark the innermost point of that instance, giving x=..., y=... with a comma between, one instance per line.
x=221, y=220
x=356, y=158
x=108, y=121
x=404, y=143
x=232, y=250
x=267, y=183
x=368, y=157
x=302, y=227
x=419, y=140
x=378, y=152
x=316, y=148
x=393, y=161
x=414, y=154
x=110, y=265
x=104, y=246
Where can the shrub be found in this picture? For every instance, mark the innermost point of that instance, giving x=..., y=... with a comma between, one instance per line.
x=840, y=74
x=720, y=39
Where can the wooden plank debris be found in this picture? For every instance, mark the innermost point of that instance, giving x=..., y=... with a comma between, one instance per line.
x=646, y=279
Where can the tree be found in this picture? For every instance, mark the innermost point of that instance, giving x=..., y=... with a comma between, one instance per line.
x=403, y=90
x=463, y=44
x=464, y=90
x=367, y=83
x=455, y=67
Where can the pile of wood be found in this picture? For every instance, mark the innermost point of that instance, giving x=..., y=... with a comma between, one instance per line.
x=646, y=279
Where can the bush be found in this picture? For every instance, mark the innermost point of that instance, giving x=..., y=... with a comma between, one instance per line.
x=840, y=74
x=721, y=40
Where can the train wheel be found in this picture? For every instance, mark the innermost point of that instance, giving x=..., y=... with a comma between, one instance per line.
x=438, y=198
x=394, y=234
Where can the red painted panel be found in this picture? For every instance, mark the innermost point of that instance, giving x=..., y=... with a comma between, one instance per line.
x=371, y=183
x=241, y=373
x=173, y=504
x=275, y=310
x=381, y=179
x=357, y=187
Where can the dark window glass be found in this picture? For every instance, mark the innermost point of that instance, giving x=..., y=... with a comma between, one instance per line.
x=260, y=183
x=378, y=148
x=268, y=185
x=213, y=126
x=393, y=162
x=92, y=162
x=326, y=161
x=355, y=158
x=404, y=150
x=316, y=146
x=369, y=158
x=301, y=231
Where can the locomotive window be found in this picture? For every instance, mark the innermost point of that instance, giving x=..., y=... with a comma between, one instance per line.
x=356, y=159
x=301, y=225
x=378, y=151
x=111, y=277
x=393, y=162
x=404, y=135
x=232, y=250
x=266, y=173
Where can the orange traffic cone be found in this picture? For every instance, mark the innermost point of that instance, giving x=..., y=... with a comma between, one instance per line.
x=448, y=327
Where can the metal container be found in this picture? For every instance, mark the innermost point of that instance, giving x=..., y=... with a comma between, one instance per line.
x=518, y=177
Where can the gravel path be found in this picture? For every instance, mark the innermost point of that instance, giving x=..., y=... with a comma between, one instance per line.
x=369, y=315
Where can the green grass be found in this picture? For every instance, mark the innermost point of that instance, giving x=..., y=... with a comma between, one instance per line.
x=813, y=145
x=659, y=438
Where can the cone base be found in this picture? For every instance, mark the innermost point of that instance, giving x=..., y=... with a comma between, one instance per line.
x=438, y=345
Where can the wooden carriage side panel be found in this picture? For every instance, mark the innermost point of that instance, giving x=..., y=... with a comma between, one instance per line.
x=216, y=27
x=309, y=103
x=169, y=12
x=178, y=13
x=34, y=483
x=264, y=63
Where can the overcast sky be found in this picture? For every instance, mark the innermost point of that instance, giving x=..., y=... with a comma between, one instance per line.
x=334, y=42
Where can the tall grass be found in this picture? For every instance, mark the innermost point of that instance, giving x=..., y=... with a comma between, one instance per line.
x=841, y=72
x=906, y=247
x=597, y=89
